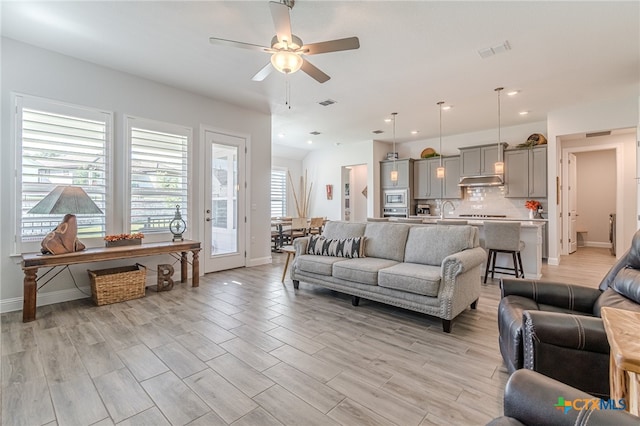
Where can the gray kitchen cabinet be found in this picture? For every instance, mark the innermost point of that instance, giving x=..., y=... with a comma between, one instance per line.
x=526, y=172
x=405, y=173
x=451, y=177
x=421, y=179
x=426, y=183
x=479, y=160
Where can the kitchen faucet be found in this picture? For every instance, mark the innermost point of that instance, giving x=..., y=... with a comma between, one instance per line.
x=442, y=212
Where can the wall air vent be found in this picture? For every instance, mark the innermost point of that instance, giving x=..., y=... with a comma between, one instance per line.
x=314, y=133
x=494, y=50
x=327, y=102
x=377, y=132
x=596, y=134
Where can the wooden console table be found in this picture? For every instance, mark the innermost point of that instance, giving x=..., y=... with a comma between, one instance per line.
x=623, y=332
x=32, y=261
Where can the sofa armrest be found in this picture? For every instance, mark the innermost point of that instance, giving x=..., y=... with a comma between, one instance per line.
x=570, y=348
x=566, y=330
x=300, y=245
x=532, y=399
x=562, y=295
x=463, y=261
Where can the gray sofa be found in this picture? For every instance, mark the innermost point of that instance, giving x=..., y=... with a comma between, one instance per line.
x=433, y=269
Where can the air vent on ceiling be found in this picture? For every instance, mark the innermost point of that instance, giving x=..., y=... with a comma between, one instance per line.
x=596, y=134
x=494, y=50
x=314, y=133
x=377, y=132
x=327, y=102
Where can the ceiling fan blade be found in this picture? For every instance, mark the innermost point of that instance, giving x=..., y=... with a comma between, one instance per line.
x=331, y=46
x=240, y=44
x=263, y=73
x=313, y=71
x=281, y=20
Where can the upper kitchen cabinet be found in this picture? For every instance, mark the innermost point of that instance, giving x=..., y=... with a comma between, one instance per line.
x=405, y=173
x=426, y=183
x=451, y=177
x=479, y=160
x=526, y=172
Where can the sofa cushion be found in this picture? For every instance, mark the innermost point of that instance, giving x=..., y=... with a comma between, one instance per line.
x=363, y=270
x=429, y=245
x=386, y=240
x=411, y=277
x=338, y=229
x=341, y=247
x=610, y=298
x=321, y=265
x=627, y=283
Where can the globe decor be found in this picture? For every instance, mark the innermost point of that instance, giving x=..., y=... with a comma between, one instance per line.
x=120, y=240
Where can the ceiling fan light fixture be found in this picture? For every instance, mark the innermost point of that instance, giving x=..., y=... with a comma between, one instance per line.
x=286, y=62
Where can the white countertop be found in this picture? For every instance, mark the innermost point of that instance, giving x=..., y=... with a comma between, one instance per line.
x=479, y=221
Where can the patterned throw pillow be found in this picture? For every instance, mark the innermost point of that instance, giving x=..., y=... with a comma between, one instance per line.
x=345, y=247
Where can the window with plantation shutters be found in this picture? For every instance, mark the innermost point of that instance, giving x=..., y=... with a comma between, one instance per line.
x=60, y=144
x=158, y=174
x=278, y=192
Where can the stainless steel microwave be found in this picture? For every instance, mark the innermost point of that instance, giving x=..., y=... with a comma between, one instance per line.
x=395, y=198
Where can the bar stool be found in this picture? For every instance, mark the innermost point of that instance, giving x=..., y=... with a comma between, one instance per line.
x=503, y=237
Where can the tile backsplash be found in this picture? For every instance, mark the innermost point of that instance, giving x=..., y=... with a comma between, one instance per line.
x=488, y=200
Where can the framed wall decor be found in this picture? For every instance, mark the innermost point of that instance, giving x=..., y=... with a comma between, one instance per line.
x=329, y=192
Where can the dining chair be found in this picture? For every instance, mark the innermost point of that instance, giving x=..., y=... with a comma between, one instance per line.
x=315, y=225
x=299, y=228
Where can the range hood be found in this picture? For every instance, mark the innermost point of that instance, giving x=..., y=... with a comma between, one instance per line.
x=488, y=180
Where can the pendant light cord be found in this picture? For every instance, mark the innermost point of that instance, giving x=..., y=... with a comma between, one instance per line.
x=499, y=89
x=395, y=154
x=440, y=153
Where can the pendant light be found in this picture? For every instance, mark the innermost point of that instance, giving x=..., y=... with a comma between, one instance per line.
x=440, y=170
x=394, y=172
x=499, y=165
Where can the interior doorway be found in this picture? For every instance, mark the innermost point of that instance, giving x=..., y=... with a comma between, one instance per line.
x=354, y=193
x=592, y=191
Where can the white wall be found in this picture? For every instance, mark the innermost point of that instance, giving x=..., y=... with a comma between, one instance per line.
x=592, y=117
x=596, y=194
x=324, y=167
x=33, y=71
x=358, y=200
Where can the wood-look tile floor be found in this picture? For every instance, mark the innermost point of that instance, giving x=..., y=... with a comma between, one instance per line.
x=245, y=349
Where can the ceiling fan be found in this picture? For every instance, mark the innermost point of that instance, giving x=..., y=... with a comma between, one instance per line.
x=287, y=49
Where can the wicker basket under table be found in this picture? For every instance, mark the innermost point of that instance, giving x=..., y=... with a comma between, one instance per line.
x=118, y=284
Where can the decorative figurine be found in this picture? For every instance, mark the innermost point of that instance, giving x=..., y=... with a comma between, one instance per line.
x=177, y=226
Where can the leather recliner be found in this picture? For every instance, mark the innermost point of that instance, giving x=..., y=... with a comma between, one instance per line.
x=555, y=328
x=531, y=398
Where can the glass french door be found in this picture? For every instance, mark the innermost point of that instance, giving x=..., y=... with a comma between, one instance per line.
x=224, y=202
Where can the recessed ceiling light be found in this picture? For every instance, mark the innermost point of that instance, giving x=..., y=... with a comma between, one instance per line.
x=513, y=93
x=281, y=135
x=415, y=132
x=314, y=133
x=446, y=107
x=387, y=120
x=309, y=141
x=377, y=132
x=524, y=112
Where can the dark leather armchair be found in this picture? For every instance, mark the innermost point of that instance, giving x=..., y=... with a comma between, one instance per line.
x=530, y=398
x=555, y=328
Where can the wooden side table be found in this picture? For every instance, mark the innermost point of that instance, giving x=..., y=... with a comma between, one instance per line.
x=290, y=252
x=623, y=332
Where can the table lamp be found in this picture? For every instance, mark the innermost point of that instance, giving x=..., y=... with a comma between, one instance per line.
x=67, y=200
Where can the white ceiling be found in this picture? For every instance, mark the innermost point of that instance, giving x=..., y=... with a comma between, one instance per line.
x=412, y=55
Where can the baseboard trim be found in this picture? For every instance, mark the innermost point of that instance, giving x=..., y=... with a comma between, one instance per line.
x=553, y=261
x=48, y=298
x=259, y=261
x=597, y=244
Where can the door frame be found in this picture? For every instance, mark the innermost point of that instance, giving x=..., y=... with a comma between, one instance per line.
x=242, y=180
x=619, y=149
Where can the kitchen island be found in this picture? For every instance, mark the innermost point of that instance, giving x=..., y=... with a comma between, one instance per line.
x=531, y=233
